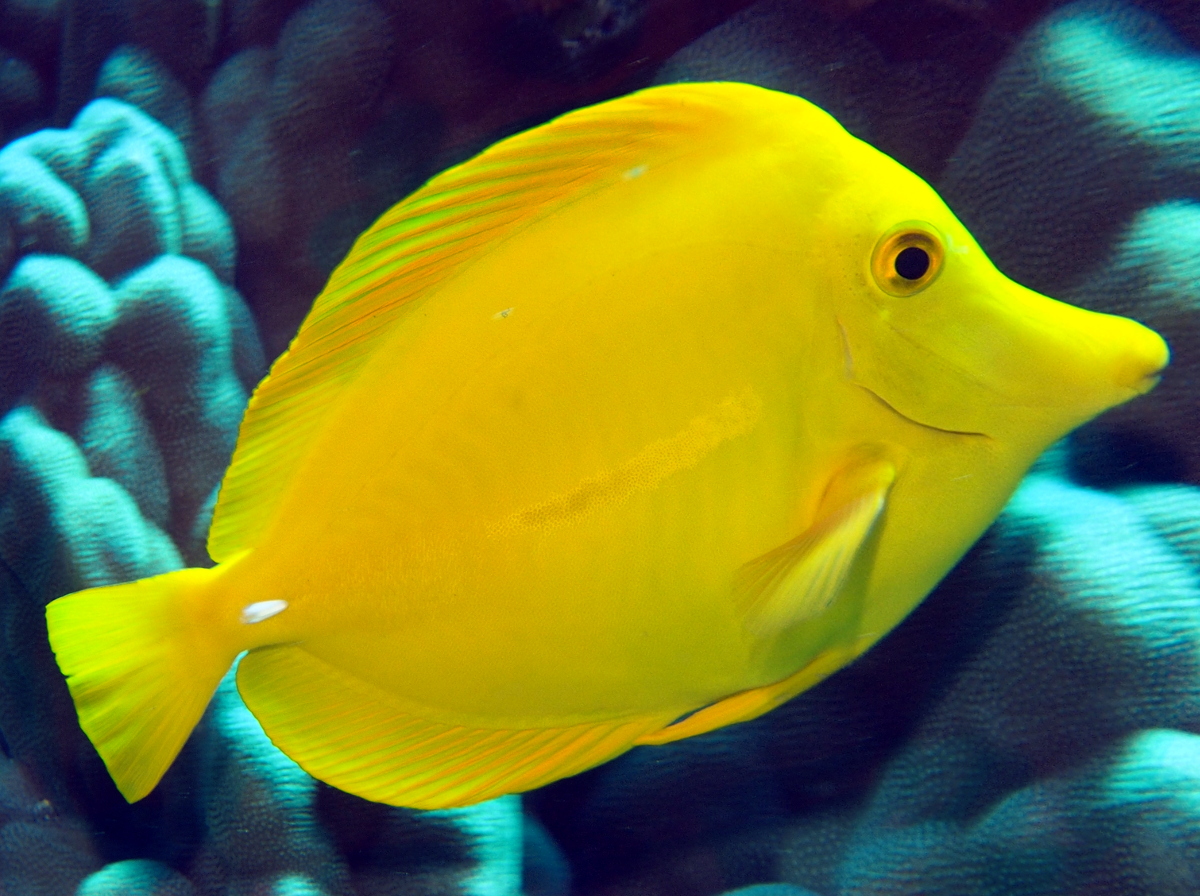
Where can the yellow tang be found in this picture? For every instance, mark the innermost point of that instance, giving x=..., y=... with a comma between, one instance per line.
x=635, y=425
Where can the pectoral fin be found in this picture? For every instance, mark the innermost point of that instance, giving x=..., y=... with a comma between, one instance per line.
x=800, y=579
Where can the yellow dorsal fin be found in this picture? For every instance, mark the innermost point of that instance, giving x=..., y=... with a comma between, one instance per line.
x=432, y=234
x=344, y=731
x=801, y=579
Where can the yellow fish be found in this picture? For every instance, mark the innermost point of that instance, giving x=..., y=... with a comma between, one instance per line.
x=635, y=425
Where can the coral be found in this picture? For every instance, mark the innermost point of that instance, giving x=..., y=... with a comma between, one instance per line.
x=88, y=390
x=258, y=813
x=1028, y=730
x=903, y=77
x=1150, y=272
x=135, y=877
x=272, y=827
x=181, y=36
x=29, y=34
x=1100, y=93
x=136, y=76
x=285, y=125
x=42, y=852
x=103, y=212
x=544, y=869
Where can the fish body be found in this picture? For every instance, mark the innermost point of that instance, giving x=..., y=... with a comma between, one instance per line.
x=633, y=426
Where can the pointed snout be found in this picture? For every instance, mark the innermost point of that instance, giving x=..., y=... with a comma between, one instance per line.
x=1089, y=360
x=1141, y=367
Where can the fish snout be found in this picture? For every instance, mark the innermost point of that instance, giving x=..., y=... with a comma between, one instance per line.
x=1086, y=359
x=1141, y=366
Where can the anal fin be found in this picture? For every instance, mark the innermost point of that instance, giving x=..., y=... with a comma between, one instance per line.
x=746, y=705
x=358, y=738
x=800, y=579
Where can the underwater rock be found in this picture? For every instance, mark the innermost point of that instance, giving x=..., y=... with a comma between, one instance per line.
x=135, y=76
x=258, y=813
x=181, y=35
x=902, y=76
x=1151, y=272
x=1094, y=117
x=42, y=852
x=136, y=877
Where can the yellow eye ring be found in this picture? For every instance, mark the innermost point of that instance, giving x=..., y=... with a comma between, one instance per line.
x=907, y=259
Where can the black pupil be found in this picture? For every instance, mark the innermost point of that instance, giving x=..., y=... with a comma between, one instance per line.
x=912, y=263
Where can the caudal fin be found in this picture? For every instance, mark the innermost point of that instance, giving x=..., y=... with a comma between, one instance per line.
x=139, y=674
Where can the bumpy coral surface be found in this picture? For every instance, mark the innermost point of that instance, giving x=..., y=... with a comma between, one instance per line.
x=176, y=182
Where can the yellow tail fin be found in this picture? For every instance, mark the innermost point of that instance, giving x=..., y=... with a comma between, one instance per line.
x=139, y=672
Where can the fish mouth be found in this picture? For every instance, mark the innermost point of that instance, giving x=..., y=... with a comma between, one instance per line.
x=1147, y=384
x=887, y=404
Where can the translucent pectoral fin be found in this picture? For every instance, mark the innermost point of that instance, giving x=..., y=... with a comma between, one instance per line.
x=801, y=579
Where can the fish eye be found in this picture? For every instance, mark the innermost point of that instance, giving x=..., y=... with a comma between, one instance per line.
x=907, y=259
